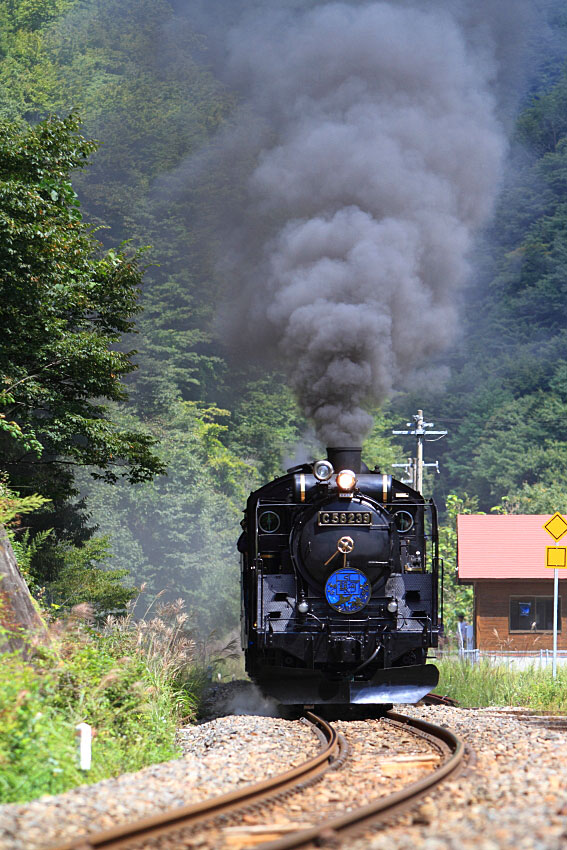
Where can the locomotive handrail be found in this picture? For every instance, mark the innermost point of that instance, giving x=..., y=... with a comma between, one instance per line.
x=441, y=568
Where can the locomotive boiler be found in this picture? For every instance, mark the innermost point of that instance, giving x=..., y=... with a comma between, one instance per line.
x=340, y=571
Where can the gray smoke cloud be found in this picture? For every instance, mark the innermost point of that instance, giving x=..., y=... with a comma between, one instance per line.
x=376, y=144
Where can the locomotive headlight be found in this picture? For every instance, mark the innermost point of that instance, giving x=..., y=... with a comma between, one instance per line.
x=322, y=470
x=346, y=480
x=392, y=606
x=303, y=606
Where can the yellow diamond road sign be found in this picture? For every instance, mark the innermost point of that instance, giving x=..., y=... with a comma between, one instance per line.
x=556, y=526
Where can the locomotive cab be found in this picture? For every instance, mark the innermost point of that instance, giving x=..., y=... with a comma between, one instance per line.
x=339, y=585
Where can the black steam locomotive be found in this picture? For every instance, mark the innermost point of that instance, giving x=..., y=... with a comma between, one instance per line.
x=340, y=573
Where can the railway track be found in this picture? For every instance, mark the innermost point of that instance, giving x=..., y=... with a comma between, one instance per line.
x=545, y=719
x=332, y=832
x=221, y=810
x=438, y=699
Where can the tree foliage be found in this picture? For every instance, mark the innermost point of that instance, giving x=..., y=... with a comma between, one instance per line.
x=177, y=534
x=64, y=307
x=506, y=400
x=143, y=78
x=85, y=577
x=457, y=598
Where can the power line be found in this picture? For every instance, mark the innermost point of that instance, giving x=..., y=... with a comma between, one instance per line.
x=415, y=466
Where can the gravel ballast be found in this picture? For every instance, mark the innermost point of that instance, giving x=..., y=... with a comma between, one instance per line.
x=513, y=796
x=219, y=756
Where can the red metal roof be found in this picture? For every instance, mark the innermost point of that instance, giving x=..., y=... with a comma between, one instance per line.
x=504, y=547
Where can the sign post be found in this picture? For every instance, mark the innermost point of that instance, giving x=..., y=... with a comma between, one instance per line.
x=555, y=607
x=556, y=557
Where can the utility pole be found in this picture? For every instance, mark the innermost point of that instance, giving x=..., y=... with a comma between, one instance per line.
x=415, y=466
x=419, y=454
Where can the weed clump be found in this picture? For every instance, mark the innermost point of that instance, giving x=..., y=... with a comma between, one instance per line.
x=132, y=680
x=483, y=683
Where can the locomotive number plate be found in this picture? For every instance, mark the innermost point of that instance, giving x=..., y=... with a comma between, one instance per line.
x=345, y=518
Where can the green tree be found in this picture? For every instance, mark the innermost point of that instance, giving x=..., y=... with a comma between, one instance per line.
x=379, y=448
x=85, y=577
x=267, y=425
x=64, y=308
x=457, y=598
x=505, y=402
x=536, y=498
x=178, y=533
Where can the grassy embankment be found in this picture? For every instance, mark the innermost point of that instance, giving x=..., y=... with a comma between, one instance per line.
x=132, y=681
x=484, y=684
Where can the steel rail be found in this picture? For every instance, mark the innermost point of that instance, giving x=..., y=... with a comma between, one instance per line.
x=438, y=699
x=383, y=808
x=178, y=818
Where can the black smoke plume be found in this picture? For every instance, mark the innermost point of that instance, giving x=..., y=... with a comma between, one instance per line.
x=375, y=137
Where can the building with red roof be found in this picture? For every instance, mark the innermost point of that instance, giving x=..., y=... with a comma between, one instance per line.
x=504, y=558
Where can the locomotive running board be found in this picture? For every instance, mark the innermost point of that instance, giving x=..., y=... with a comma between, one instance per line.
x=293, y=686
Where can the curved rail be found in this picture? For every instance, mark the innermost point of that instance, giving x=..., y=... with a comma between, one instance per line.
x=383, y=808
x=223, y=805
x=438, y=699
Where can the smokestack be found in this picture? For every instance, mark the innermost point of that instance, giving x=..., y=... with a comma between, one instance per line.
x=344, y=458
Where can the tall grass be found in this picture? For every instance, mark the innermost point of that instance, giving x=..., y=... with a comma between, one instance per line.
x=133, y=681
x=486, y=684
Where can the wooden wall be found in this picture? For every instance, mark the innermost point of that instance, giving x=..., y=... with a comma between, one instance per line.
x=492, y=605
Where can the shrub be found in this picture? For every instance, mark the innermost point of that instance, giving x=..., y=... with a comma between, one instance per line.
x=132, y=682
x=85, y=577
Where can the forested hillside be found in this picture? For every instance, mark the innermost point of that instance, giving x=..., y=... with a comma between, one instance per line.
x=505, y=402
x=217, y=424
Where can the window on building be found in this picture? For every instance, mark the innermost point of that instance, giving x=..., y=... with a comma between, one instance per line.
x=533, y=614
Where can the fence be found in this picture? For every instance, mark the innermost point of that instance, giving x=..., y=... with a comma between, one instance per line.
x=539, y=658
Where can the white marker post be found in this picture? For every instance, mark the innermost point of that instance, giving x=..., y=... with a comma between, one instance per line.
x=556, y=557
x=85, y=733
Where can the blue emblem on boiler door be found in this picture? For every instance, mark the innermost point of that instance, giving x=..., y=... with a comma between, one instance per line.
x=347, y=591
